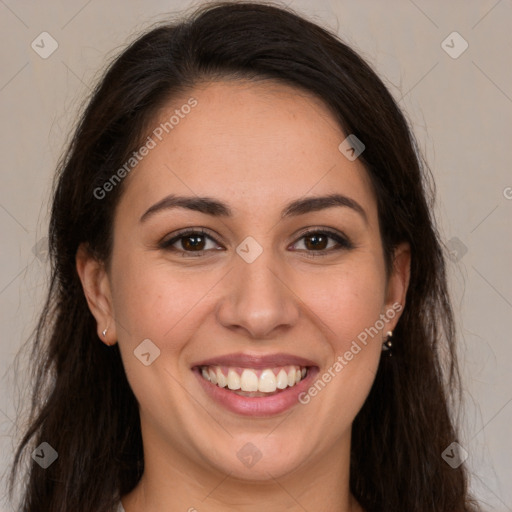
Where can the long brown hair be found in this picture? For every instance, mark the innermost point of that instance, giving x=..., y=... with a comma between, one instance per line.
x=82, y=403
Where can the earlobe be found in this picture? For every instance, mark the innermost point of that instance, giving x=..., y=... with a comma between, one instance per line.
x=96, y=287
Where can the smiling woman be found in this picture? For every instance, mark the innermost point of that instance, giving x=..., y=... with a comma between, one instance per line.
x=255, y=314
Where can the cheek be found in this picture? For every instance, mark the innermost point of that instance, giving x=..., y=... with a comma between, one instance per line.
x=349, y=303
x=154, y=300
x=348, y=299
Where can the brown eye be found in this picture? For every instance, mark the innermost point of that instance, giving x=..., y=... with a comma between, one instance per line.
x=191, y=241
x=321, y=243
x=316, y=241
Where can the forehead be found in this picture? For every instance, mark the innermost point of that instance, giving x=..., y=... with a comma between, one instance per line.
x=250, y=144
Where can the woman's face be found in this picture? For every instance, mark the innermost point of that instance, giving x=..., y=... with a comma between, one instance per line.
x=252, y=295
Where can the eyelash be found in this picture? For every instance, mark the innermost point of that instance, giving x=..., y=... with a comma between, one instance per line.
x=343, y=242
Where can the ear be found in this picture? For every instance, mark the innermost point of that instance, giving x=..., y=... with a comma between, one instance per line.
x=398, y=282
x=96, y=286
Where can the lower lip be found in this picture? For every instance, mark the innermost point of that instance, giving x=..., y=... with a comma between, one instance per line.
x=257, y=406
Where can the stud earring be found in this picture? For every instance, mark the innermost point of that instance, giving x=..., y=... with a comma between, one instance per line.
x=387, y=345
x=104, y=334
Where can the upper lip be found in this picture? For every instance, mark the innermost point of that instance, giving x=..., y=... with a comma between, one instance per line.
x=256, y=361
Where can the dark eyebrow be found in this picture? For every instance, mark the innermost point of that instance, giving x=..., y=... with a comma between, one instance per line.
x=198, y=204
x=219, y=209
x=313, y=204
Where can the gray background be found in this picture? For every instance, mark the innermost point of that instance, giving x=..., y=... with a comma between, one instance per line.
x=461, y=111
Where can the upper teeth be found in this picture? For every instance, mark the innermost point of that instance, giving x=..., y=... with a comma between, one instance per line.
x=247, y=379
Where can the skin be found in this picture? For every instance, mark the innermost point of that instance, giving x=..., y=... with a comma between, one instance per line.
x=255, y=146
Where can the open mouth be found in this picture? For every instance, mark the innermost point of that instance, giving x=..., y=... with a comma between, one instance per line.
x=252, y=382
x=258, y=385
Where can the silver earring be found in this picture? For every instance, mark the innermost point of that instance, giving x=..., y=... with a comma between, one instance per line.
x=387, y=345
x=104, y=332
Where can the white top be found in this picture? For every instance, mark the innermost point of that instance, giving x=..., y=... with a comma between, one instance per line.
x=119, y=508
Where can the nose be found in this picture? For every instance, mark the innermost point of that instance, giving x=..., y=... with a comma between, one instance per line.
x=259, y=298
